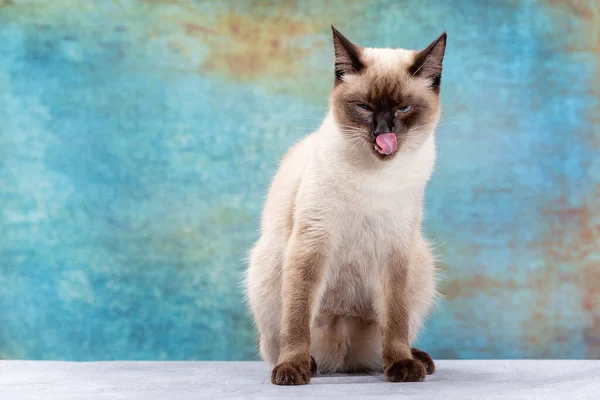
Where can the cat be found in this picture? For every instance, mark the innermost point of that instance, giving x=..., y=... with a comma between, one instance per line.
x=341, y=277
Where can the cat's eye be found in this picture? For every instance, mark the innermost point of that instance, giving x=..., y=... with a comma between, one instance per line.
x=363, y=107
x=405, y=109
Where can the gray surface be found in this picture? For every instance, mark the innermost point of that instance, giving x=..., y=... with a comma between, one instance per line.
x=200, y=380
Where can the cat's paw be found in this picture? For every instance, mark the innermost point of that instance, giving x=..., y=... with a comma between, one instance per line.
x=425, y=359
x=291, y=373
x=408, y=370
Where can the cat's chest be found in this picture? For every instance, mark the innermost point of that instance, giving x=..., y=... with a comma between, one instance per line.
x=366, y=229
x=369, y=213
x=382, y=216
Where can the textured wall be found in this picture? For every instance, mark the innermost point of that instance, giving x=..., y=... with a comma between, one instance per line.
x=137, y=139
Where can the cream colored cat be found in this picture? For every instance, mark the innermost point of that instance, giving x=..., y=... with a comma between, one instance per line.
x=342, y=277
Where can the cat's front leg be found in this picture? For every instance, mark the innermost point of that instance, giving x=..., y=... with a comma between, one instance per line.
x=303, y=276
x=398, y=362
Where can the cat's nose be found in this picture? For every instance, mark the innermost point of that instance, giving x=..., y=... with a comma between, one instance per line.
x=383, y=124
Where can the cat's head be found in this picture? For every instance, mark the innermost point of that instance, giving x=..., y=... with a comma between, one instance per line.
x=386, y=100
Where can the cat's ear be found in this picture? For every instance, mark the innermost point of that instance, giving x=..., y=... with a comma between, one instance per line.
x=428, y=62
x=347, y=56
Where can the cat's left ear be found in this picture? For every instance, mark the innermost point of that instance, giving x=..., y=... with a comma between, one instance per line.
x=428, y=62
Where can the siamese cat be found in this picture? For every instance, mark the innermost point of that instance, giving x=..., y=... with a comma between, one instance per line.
x=342, y=277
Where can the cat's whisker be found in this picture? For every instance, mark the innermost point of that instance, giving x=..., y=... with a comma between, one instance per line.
x=353, y=139
x=352, y=131
x=349, y=127
x=355, y=144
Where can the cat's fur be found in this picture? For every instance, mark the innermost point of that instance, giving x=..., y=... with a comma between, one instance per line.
x=342, y=275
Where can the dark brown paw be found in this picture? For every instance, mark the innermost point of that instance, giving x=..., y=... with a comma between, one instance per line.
x=408, y=370
x=291, y=373
x=425, y=359
x=313, y=366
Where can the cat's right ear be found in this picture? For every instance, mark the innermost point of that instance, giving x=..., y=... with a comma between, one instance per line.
x=347, y=56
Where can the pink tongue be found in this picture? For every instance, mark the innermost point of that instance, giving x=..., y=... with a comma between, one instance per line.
x=386, y=143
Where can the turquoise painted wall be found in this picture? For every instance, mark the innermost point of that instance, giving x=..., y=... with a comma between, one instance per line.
x=137, y=139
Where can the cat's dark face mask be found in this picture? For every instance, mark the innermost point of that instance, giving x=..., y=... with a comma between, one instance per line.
x=385, y=99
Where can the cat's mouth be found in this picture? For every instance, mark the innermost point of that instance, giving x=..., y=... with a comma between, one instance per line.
x=385, y=144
